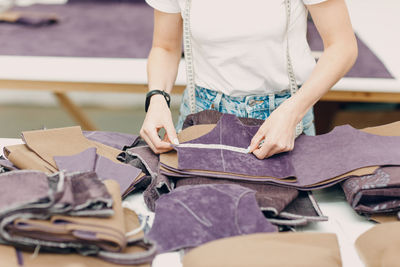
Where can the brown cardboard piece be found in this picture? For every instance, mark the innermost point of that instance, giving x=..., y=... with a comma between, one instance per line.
x=272, y=249
x=66, y=141
x=380, y=245
x=25, y=159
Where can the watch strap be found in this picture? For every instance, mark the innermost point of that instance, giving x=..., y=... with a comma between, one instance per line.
x=167, y=97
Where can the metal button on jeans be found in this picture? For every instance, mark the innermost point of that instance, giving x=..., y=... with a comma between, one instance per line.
x=252, y=103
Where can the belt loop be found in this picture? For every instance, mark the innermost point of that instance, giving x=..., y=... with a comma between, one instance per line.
x=217, y=101
x=271, y=100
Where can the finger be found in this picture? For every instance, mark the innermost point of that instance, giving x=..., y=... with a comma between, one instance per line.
x=149, y=143
x=264, y=150
x=154, y=139
x=160, y=145
x=170, y=132
x=255, y=141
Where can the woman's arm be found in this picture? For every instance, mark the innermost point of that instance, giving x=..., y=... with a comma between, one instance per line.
x=340, y=52
x=162, y=68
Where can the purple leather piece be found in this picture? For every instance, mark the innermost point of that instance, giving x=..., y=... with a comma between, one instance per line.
x=192, y=215
x=7, y=165
x=19, y=189
x=124, y=174
x=83, y=194
x=367, y=65
x=159, y=185
x=105, y=169
x=270, y=198
x=145, y=156
x=36, y=194
x=129, y=27
x=83, y=25
x=314, y=159
x=375, y=193
x=82, y=162
x=114, y=139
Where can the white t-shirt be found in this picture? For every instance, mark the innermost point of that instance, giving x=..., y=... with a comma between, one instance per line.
x=239, y=47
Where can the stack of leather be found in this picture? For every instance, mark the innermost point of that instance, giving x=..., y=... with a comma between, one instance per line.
x=282, y=205
x=45, y=214
x=316, y=161
x=68, y=149
x=377, y=195
x=357, y=157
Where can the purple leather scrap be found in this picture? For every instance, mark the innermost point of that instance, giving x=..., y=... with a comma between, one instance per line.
x=154, y=183
x=271, y=199
x=6, y=165
x=314, y=159
x=376, y=193
x=36, y=194
x=83, y=25
x=158, y=186
x=367, y=65
x=193, y=215
x=114, y=139
x=24, y=190
x=88, y=160
x=81, y=194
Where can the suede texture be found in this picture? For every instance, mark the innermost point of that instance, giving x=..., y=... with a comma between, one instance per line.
x=270, y=198
x=299, y=163
x=192, y=215
x=375, y=193
x=113, y=139
x=88, y=160
x=128, y=25
x=23, y=190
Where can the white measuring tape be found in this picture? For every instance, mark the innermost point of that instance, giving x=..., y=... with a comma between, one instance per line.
x=215, y=146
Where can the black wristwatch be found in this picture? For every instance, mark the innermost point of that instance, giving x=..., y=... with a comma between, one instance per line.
x=156, y=92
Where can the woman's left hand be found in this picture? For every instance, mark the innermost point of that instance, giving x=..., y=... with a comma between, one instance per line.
x=278, y=132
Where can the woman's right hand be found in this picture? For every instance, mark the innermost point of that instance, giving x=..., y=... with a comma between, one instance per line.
x=158, y=116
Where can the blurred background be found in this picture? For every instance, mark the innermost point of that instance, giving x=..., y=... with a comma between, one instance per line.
x=62, y=62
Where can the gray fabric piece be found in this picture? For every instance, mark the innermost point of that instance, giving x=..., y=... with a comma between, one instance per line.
x=328, y=150
x=155, y=184
x=303, y=210
x=159, y=185
x=192, y=215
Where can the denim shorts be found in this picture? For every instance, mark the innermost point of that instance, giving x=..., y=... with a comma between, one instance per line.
x=252, y=106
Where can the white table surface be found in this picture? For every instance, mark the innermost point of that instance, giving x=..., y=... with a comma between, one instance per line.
x=343, y=221
x=376, y=22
